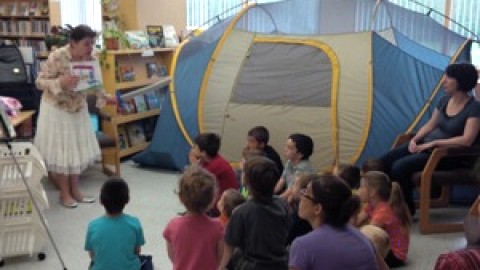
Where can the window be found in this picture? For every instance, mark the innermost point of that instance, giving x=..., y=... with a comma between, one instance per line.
x=75, y=12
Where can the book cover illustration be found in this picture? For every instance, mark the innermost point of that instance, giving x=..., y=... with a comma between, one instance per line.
x=126, y=73
x=156, y=71
x=153, y=101
x=136, y=134
x=90, y=77
x=155, y=36
x=140, y=103
x=123, y=138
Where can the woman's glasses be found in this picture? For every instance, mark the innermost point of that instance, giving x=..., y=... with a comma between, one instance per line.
x=303, y=192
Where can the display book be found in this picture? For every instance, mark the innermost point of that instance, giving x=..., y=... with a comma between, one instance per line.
x=89, y=75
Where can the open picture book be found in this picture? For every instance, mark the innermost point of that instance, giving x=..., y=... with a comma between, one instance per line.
x=90, y=76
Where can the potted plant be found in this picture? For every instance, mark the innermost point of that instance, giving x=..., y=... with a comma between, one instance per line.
x=58, y=37
x=114, y=39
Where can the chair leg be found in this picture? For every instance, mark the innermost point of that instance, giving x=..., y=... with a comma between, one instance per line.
x=426, y=227
x=444, y=198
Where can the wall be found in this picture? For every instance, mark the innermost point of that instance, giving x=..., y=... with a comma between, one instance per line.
x=156, y=12
x=55, y=17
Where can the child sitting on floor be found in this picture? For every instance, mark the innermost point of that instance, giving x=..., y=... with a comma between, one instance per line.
x=114, y=240
x=349, y=173
x=229, y=200
x=194, y=240
x=259, y=227
x=387, y=209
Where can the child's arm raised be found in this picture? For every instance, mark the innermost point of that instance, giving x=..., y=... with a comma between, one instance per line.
x=279, y=185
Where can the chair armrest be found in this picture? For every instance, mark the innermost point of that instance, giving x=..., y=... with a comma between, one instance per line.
x=402, y=138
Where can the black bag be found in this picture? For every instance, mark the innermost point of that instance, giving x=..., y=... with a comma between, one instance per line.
x=12, y=67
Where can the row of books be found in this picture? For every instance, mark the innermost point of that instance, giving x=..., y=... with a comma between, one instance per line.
x=37, y=45
x=136, y=133
x=24, y=27
x=126, y=72
x=24, y=8
x=140, y=103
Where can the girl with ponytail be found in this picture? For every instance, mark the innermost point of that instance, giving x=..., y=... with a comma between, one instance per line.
x=328, y=204
x=386, y=208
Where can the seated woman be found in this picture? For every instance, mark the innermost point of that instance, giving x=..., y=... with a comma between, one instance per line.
x=455, y=122
x=328, y=203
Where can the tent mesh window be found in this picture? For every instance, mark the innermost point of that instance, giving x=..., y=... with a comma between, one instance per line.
x=285, y=74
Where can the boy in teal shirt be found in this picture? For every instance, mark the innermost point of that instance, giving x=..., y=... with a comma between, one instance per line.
x=114, y=240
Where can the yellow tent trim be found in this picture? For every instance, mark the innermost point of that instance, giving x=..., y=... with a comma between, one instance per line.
x=368, y=123
x=208, y=71
x=434, y=93
x=174, y=98
x=335, y=75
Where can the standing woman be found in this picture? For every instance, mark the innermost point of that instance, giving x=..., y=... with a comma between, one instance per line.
x=454, y=122
x=65, y=136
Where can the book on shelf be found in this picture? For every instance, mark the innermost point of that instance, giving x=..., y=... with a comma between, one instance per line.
x=2, y=9
x=136, y=134
x=33, y=10
x=123, y=142
x=11, y=9
x=90, y=77
x=149, y=127
x=153, y=100
x=125, y=106
x=155, y=36
x=154, y=70
x=140, y=103
x=126, y=73
x=23, y=9
x=170, y=36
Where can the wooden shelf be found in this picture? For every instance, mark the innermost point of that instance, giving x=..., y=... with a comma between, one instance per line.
x=23, y=17
x=127, y=118
x=133, y=149
x=29, y=36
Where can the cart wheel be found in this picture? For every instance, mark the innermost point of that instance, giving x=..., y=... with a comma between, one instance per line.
x=2, y=263
x=41, y=256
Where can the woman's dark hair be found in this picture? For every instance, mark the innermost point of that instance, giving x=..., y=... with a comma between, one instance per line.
x=82, y=31
x=465, y=74
x=208, y=142
x=261, y=176
x=197, y=189
x=338, y=203
x=260, y=133
x=114, y=195
x=303, y=143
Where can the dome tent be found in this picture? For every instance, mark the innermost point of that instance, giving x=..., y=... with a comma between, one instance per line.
x=279, y=65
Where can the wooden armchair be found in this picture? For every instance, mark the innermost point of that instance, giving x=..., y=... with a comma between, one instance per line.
x=108, y=144
x=429, y=175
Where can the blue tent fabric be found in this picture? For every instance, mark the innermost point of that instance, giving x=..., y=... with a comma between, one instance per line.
x=411, y=86
x=168, y=146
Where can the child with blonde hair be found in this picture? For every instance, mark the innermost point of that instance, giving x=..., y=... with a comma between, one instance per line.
x=386, y=208
x=194, y=240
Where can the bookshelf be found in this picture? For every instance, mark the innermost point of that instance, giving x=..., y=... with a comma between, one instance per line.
x=112, y=64
x=25, y=23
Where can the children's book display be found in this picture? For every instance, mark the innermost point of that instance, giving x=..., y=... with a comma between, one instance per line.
x=155, y=36
x=89, y=74
x=155, y=70
x=170, y=35
x=125, y=73
x=136, y=134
